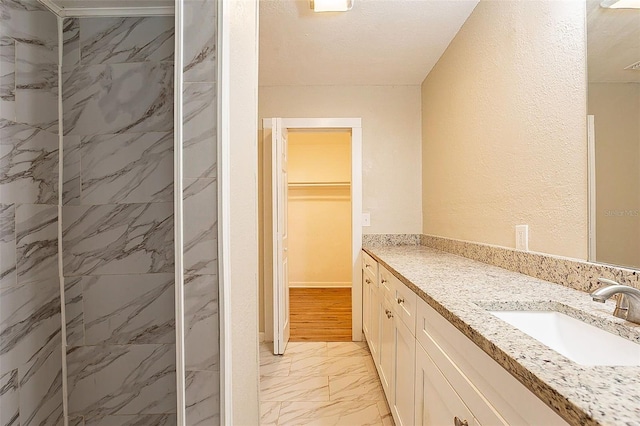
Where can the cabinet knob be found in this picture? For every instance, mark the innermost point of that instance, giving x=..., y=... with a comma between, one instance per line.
x=458, y=422
x=389, y=313
x=367, y=280
x=383, y=281
x=400, y=301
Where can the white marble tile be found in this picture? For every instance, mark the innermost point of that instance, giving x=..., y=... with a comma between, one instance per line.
x=133, y=379
x=202, y=341
x=118, y=98
x=343, y=413
x=28, y=164
x=36, y=67
x=7, y=245
x=200, y=226
x=71, y=189
x=8, y=109
x=37, y=108
x=306, y=349
x=29, y=22
x=133, y=420
x=293, y=388
x=118, y=239
x=349, y=349
x=128, y=309
x=126, y=40
x=127, y=168
x=76, y=421
x=9, y=403
x=203, y=398
x=7, y=69
x=41, y=388
x=274, y=365
x=36, y=242
x=329, y=366
x=71, y=42
x=269, y=412
x=200, y=37
x=355, y=388
x=199, y=132
x=74, y=311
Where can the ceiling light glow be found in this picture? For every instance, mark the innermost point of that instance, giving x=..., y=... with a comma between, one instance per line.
x=621, y=4
x=331, y=5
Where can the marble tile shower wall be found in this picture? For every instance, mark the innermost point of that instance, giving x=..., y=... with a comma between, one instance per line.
x=30, y=328
x=200, y=214
x=118, y=254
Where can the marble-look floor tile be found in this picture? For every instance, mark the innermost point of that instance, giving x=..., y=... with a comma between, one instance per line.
x=71, y=189
x=274, y=365
x=329, y=366
x=7, y=69
x=71, y=42
x=385, y=413
x=74, y=311
x=7, y=245
x=41, y=388
x=118, y=98
x=30, y=323
x=202, y=398
x=202, y=341
x=128, y=309
x=343, y=413
x=292, y=388
x=37, y=108
x=200, y=226
x=306, y=349
x=355, y=388
x=9, y=408
x=36, y=67
x=133, y=379
x=127, y=168
x=269, y=412
x=28, y=164
x=199, y=132
x=36, y=242
x=118, y=239
x=126, y=40
x=266, y=348
x=134, y=420
x=200, y=24
x=348, y=349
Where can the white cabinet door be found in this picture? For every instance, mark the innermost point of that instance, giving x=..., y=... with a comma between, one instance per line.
x=375, y=319
x=366, y=304
x=404, y=374
x=436, y=403
x=387, y=346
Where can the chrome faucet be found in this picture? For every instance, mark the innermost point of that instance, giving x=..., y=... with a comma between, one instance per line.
x=628, y=305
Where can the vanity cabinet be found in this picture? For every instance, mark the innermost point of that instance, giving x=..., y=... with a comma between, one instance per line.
x=431, y=373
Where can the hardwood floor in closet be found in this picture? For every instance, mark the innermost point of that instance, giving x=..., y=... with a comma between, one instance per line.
x=320, y=314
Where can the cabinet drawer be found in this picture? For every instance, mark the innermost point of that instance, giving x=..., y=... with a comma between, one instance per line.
x=385, y=282
x=370, y=265
x=404, y=301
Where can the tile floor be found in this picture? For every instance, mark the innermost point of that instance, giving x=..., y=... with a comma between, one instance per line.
x=321, y=383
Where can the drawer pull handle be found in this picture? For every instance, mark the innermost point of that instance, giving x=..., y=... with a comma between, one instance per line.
x=400, y=300
x=458, y=422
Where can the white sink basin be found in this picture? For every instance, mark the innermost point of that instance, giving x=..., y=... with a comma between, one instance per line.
x=576, y=340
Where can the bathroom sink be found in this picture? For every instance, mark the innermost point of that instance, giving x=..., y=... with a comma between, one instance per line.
x=580, y=342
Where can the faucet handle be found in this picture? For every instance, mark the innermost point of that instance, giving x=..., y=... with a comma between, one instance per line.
x=608, y=281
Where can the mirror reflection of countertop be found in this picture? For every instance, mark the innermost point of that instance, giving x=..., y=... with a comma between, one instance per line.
x=463, y=290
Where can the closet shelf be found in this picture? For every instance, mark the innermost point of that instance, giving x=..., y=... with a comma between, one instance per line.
x=319, y=184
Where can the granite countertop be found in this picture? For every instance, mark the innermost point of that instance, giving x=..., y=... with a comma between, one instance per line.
x=461, y=290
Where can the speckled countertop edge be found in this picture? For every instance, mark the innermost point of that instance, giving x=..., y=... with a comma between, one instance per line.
x=461, y=290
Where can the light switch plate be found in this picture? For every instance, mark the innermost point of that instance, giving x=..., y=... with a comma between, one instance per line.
x=366, y=219
x=522, y=237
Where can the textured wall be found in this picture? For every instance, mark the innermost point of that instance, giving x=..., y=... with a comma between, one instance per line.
x=202, y=341
x=616, y=110
x=504, y=129
x=118, y=254
x=30, y=328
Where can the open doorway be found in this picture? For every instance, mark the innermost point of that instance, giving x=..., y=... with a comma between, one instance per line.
x=322, y=162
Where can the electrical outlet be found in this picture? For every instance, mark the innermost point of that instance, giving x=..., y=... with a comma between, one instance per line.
x=366, y=219
x=522, y=237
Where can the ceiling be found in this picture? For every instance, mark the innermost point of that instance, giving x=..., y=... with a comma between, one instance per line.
x=613, y=43
x=378, y=42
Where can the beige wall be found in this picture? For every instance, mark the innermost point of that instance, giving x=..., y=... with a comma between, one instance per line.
x=320, y=215
x=504, y=129
x=616, y=108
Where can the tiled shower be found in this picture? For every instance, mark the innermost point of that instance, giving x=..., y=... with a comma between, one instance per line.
x=87, y=250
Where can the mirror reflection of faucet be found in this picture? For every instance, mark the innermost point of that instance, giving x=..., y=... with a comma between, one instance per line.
x=628, y=305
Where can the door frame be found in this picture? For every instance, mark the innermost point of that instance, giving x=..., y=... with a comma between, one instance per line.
x=355, y=126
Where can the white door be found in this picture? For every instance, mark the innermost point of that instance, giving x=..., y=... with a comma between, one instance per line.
x=280, y=180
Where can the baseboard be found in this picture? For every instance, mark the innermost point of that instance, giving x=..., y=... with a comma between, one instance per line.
x=261, y=337
x=325, y=284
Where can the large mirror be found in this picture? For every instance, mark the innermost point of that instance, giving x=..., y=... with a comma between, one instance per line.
x=613, y=63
